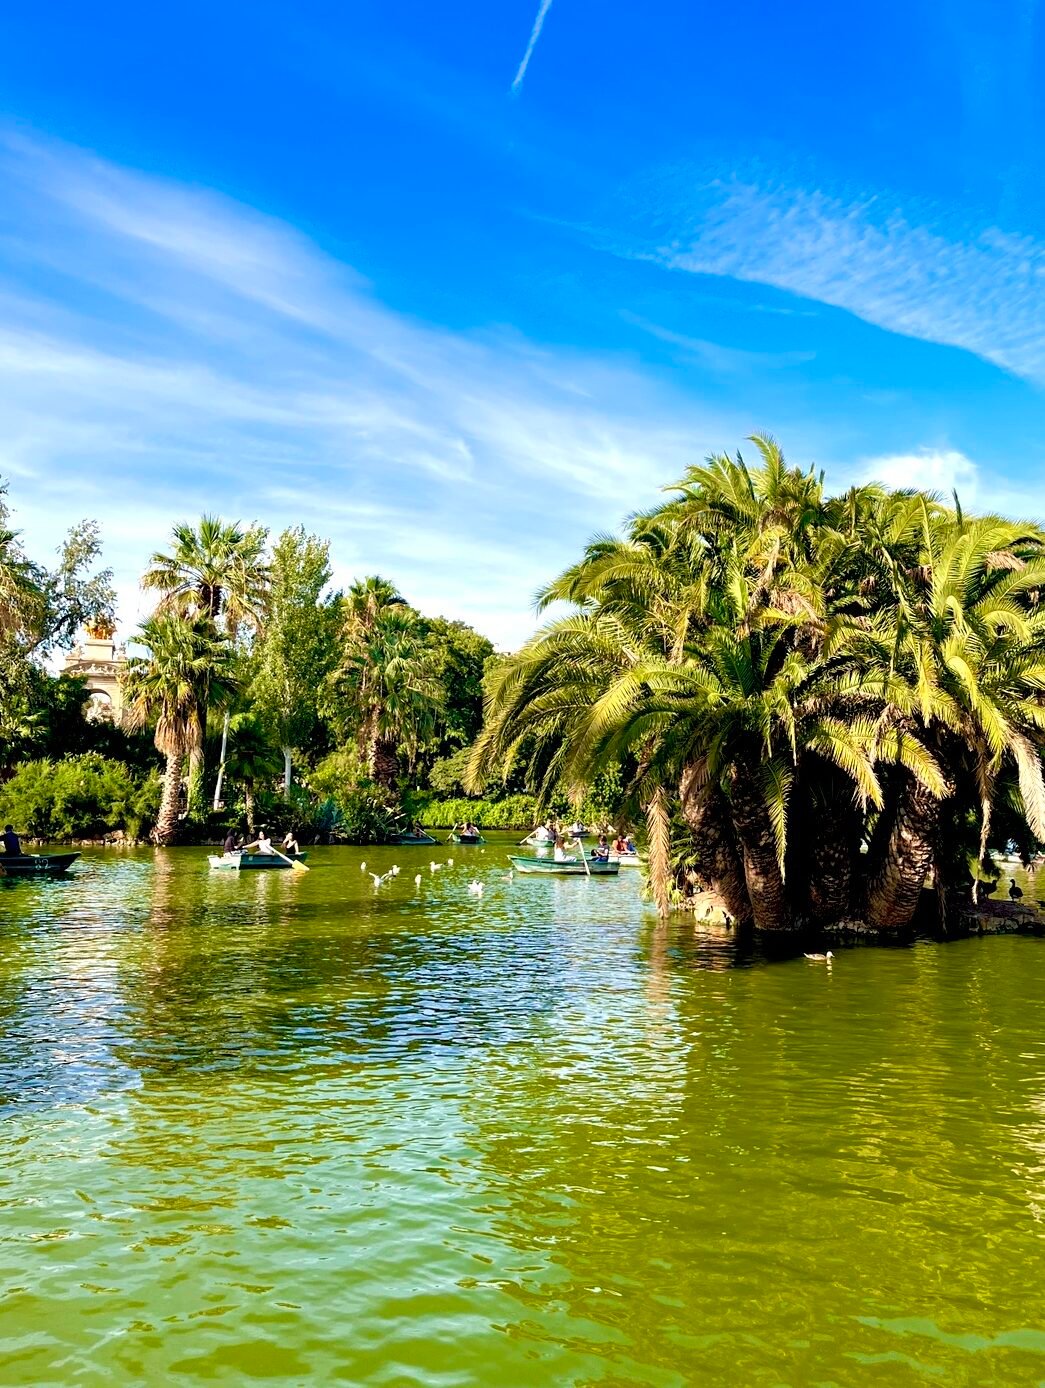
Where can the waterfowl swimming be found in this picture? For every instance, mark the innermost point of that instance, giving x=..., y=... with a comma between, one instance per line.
x=820, y=958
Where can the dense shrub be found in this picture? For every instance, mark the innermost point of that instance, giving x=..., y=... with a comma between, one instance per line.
x=447, y=776
x=79, y=797
x=513, y=812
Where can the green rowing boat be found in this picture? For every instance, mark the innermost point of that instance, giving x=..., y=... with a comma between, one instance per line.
x=238, y=862
x=36, y=864
x=565, y=867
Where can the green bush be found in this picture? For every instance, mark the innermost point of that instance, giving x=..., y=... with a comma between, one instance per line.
x=513, y=812
x=448, y=773
x=79, y=797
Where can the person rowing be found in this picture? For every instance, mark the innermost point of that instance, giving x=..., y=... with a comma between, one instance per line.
x=12, y=843
x=262, y=844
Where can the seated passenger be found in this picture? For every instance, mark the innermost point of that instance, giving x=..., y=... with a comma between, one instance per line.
x=620, y=844
x=12, y=843
x=601, y=852
x=290, y=844
x=561, y=856
x=229, y=846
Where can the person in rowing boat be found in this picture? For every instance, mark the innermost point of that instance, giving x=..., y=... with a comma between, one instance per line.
x=620, y=845
x=601, y=852
x=290, y=845
x=229, y=846
x=470, y=830
x=12, y=843
x=262, y=844
x=560, y=855
x=542, y=834
x=577, y=829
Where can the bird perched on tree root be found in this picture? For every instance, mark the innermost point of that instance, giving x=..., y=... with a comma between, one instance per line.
x=1015, y=893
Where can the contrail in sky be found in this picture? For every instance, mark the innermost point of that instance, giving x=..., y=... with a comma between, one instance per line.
x=535, y=34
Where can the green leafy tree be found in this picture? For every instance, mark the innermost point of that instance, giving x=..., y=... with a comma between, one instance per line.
x=460, y=655
x=296, y=650
x=41, y=608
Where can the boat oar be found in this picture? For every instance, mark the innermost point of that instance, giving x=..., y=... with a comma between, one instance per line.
x=294, y=863
x=584, y=857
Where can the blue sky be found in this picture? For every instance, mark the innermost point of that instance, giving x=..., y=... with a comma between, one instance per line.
x=348, y=265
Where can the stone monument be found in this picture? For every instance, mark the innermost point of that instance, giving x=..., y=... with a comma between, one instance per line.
x=100, y=662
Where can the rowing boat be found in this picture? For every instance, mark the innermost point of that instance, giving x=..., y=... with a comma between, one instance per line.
x=626, y=859
x=455, y=837
x=412, y=840
x=565, y=867
x=237, y=862
x=36, y=864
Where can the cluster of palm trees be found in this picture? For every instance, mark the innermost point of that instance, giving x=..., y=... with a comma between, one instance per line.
x=368, y=673
x=831, y=701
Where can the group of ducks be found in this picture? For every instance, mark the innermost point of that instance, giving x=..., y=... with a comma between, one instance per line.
x=986, y=889
x=475, y=887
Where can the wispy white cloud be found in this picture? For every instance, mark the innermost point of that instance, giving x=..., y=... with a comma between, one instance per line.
x=947, y=471
x=164, y=350
x=535, y=33
x=980, y=289
x=937, y=470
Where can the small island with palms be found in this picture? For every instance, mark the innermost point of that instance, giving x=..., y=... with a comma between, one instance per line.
x=828, y=712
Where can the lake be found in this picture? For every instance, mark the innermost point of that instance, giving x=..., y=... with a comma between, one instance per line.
x=288, y=1128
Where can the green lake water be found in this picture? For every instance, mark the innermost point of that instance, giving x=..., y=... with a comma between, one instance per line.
x=285, y=1128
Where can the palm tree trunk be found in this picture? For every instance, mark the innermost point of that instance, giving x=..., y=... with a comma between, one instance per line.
x=166, y=830
x=717, y=858
x=901, y=858
x=382, y=762
x=248, y=799
x=770, y=909
x=831, y=860
x=288, y=774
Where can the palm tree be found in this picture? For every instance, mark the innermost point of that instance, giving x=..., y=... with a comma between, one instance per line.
x=367, y=600
x=386, y=689
x=185, y=655
x=756, y=651
x=252, y=759
x=215, y=571
x=970, y=653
